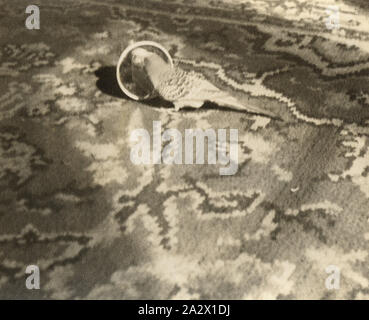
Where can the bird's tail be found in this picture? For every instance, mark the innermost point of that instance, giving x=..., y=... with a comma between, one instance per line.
x=233, y=103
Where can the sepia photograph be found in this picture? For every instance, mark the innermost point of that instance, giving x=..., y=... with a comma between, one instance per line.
x=191, y=150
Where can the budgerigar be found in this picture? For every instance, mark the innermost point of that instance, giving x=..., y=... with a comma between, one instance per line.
x=182, y=88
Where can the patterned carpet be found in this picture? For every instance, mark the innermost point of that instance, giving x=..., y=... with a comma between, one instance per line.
x=72, y=202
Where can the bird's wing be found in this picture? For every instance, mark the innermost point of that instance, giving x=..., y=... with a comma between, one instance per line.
x=191, y=89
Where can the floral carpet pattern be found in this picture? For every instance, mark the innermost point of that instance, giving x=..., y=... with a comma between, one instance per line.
x=100, y=227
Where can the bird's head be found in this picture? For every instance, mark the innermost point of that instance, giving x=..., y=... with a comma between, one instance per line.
x=140, y=57
x=151, y=63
